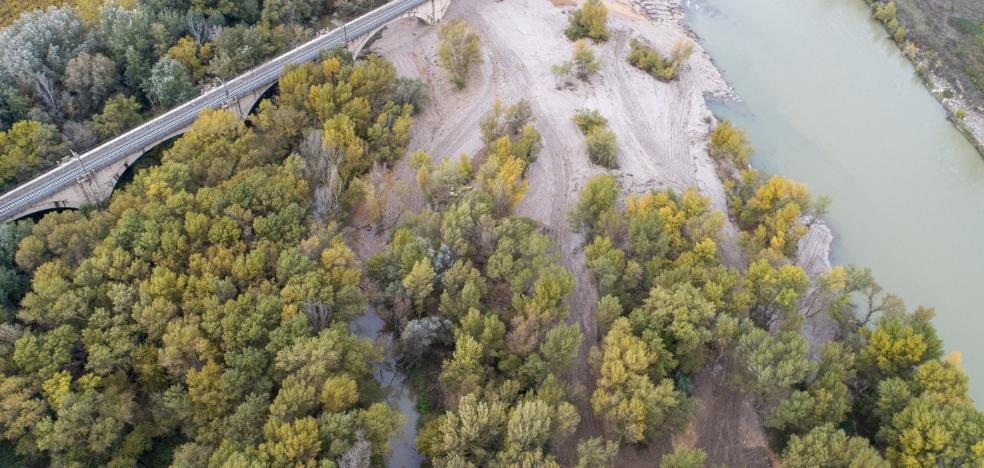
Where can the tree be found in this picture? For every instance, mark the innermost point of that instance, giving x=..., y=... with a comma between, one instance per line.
x=595, y=451
x=473, y=432
x=602, y=151
x=584, y=64
x=928, y=432
x=828, y=446
x=898, y=343
x=683, y=319
x=26, y=148
x=125, y=32
x=14, y=105
x=596, y=202
x=770, y=366
x=504, y=121
x=35, y=51
x=682, y=457
x=826, y=399
x=730, y=144
x=193, y=56
x=169, y=83
x=238, y=48
x=458, y=50
x=649, y=60
x=589, y=119
x=591, y=21
x=632, y=397
x=420, y=282
x=90, y=79
x=120, y=113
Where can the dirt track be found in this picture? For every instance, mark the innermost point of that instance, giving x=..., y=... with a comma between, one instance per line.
x=661, y=130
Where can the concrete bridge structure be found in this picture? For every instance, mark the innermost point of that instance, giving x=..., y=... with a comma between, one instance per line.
x=89, y=179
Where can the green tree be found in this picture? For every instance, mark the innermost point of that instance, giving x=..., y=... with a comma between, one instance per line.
x=632, y=397
x=458, y=50
x=770, y=366
x=600, y=144
x=596, y=203
x=420, y=282
x=120, y=113
x=828, y=446
x=169, y=84
x=682, y=457
x=683, y=319
x=584, y=64
x=595, y=451
x=28, y=147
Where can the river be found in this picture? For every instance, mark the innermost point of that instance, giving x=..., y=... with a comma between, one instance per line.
x=397, y=393
x=829, y=100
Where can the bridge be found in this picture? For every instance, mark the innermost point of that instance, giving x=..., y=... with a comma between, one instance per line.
x=90, y=178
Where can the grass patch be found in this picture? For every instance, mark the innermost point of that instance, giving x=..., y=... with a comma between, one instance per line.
x=964, y=25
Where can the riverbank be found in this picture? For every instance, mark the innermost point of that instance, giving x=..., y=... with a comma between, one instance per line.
x=934, y=64
x=905, y=185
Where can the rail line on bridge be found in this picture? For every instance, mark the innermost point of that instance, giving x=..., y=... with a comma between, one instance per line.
x=83, y=170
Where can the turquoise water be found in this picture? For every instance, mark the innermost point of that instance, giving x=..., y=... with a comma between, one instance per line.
x=828, y=100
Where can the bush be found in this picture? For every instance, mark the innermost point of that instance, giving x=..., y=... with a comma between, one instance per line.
x=651, y=61
x=590, y=21
x=589, y=119
x=413, y=92
x=458, y=50
x=601, y=147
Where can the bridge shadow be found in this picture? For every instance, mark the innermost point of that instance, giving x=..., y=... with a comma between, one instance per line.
x=268, y=94
x=36, y=216
x=149, y=159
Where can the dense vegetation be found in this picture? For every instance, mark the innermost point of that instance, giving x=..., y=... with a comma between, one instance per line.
x=75, y=76
x=201, y=318
x=479, y=297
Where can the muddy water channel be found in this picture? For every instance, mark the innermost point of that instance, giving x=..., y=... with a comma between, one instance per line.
x=829, y=100
x=396, y=391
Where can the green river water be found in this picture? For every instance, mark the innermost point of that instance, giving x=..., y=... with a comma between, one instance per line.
x=828, y=100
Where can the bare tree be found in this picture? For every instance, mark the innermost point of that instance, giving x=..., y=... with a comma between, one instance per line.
x=358, y=455
x=321, y=171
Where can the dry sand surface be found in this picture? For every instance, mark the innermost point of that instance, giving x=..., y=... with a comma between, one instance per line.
x=661, y=129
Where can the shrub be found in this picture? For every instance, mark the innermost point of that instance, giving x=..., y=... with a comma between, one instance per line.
x=601, y=147
x=651, y=61
x=589, y=119
x=458, y=50
x=411, y=91
x=590, y=21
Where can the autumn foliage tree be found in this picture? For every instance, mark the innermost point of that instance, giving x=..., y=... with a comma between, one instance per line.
x=458, y=50
x=589, y=21
x=206, y=307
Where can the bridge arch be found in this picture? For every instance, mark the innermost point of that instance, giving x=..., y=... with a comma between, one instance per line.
x=430, y=13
